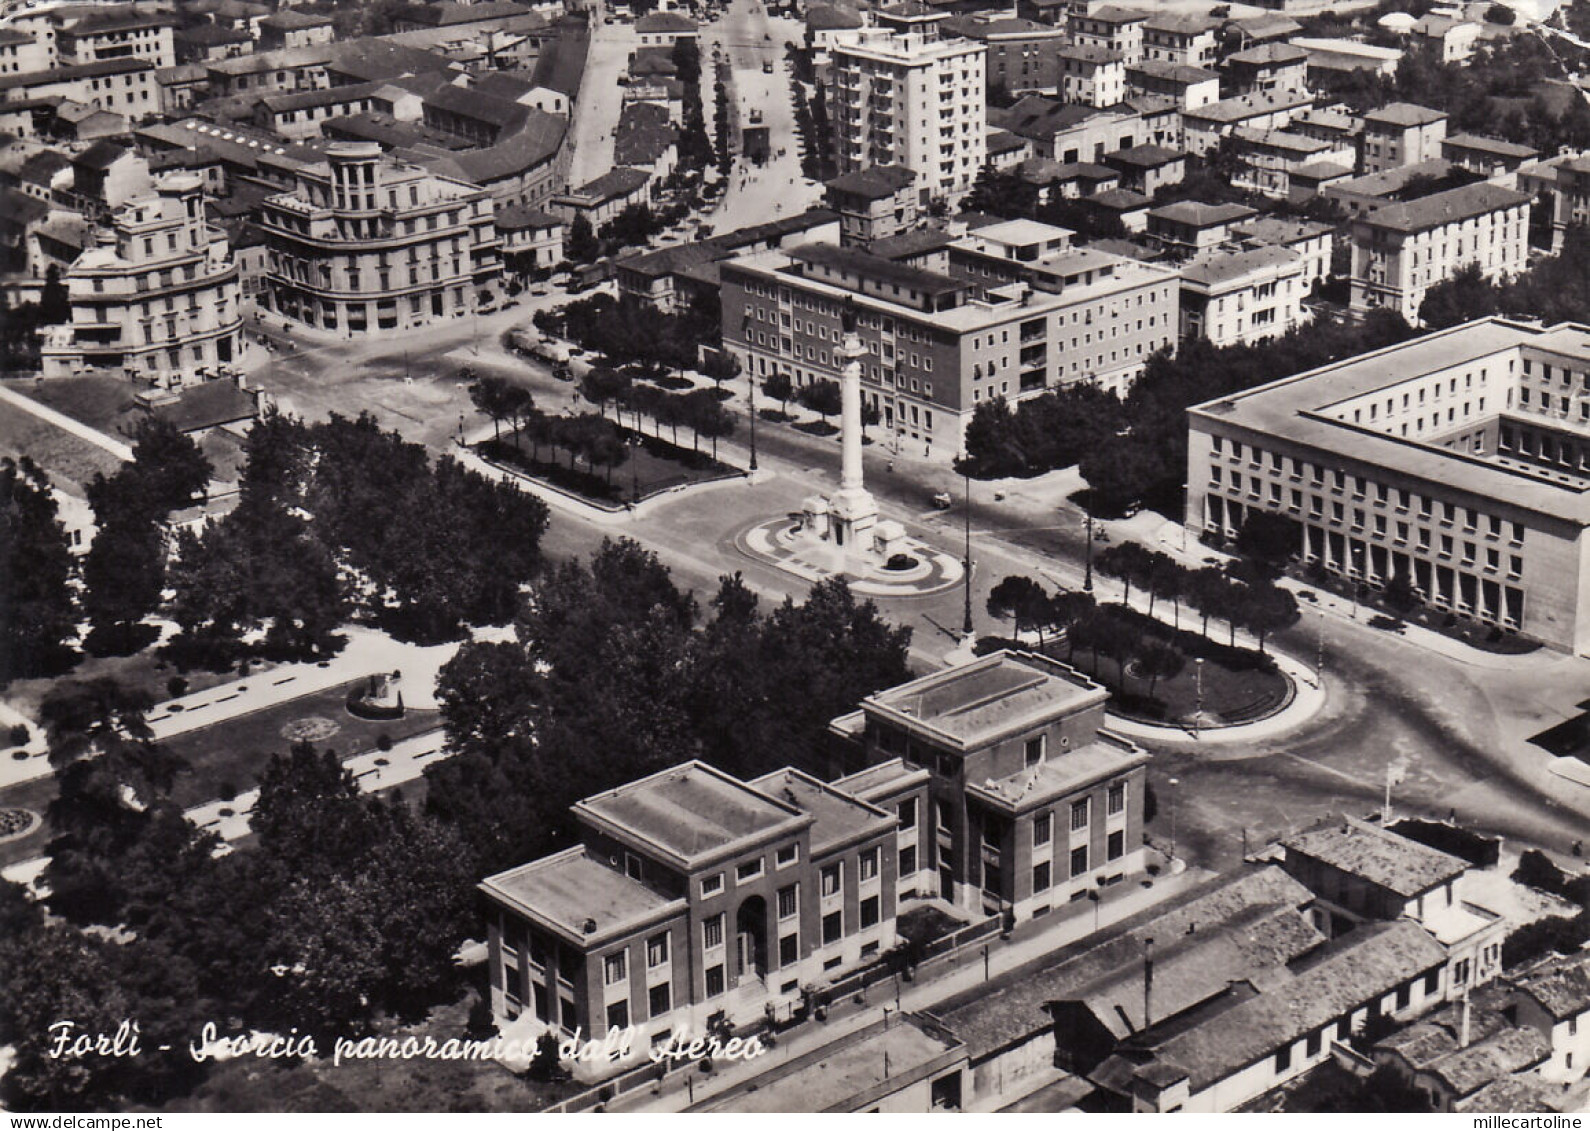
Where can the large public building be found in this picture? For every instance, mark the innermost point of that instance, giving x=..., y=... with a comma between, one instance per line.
x=367, y=243
x=694, y=897
x=1457, y=462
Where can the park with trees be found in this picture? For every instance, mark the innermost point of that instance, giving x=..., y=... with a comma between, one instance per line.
x=343, y=912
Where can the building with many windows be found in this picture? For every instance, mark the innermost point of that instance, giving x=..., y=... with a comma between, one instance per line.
x=1033, y=804
x=903, y=94
x=1401, y=134
x=156, y=298
x=1018, y=311
x=694, y=895
x=1456, y=462
x=366, y=243
x=1242, y=297
x=1402, y=250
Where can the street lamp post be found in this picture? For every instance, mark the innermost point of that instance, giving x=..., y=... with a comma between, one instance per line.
x=1173, y=783
x=1198, y=680
x=966, y=560
x=1087, y=578
x=1319, y=659
x=634, y=470
x=752, y=377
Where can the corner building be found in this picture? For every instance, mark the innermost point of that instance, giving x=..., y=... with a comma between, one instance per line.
x=156, y=298
x=695, y=896
x=365, y=243
x=1459, y=462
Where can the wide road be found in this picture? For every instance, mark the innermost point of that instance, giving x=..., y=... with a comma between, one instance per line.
x=751, y=39
x=601, y=99
x=1459, y=727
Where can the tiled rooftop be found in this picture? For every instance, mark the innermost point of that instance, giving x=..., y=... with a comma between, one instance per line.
x=1383, y=858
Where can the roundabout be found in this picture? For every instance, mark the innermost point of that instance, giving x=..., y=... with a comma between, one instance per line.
x=785, y=544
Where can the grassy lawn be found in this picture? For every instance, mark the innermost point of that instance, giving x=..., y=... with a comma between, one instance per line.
x=227, y=756
x=100, y=402
x=35, y=795
x=144, y=670
x=64, y=456
x=922, y=925
x=251, y=1084
x=656, y=465
x=1237, y=684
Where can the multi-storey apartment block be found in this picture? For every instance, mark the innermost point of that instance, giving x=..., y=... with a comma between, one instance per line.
x=1402, y=250
x=1021, y=53
x=1110, y=28
x=1186, y=39
x=157, y=298
x=365, y=243
x=904, y=95
x=1033, y=804
x=84, y=35
x=1188, y=87
x=1457, y=462
x=1010, y=319
x=1401, y=134
x=694, y=895
x=1091, y=75
x=1242, y=297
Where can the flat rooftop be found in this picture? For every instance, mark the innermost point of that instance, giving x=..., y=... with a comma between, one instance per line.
x=690, y=811
x=979, y=702
x=1062, y=774
x=578, y=895
x=836, y=818
x=1295, y=409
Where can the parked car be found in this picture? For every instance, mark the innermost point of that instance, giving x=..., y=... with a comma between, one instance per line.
x=943, y=501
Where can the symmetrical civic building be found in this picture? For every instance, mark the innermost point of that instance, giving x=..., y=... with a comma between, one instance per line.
x=366, y=243
x=695, y=897
x=903, y=94
x=1458, y=462
x=156, y=298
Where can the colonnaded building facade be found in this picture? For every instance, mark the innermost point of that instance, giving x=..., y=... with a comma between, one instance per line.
x=1458, y=461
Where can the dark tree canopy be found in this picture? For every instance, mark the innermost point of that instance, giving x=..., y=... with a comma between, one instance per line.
x=38, y=614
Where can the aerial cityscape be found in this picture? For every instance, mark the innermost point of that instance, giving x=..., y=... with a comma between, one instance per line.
x=657, y=556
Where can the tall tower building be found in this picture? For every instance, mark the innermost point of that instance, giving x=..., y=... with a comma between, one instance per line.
x=902, y=94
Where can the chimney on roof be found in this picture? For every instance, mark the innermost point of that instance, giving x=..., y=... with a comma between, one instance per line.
x=1148, y=982
x=1465, y=1020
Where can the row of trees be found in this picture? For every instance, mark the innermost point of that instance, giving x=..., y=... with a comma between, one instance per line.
x=1554, y=289
x=123, y=575
x=1053, y=430
x=38, y=613
x=590, y=436
x=1145, y=457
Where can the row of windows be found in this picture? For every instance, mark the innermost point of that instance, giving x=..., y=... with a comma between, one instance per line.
x=749, y=870
x=1339, y=481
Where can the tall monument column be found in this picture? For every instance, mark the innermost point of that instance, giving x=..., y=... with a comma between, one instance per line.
x=852, y=351
x=853, y=511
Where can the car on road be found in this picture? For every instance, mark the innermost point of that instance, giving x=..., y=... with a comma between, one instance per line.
x=767, y=66
x=943, y=501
